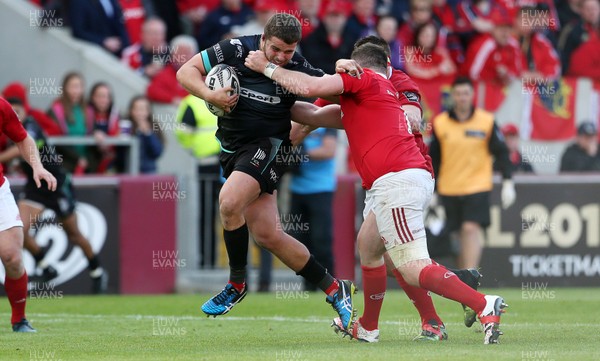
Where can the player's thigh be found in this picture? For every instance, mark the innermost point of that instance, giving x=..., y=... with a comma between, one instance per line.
x=370, y=245
x=476, y=208
x=399, y=204
x=240, y=189
x=262, y=218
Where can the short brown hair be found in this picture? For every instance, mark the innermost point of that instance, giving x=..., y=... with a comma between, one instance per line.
x=285, y=27
x=370, y=56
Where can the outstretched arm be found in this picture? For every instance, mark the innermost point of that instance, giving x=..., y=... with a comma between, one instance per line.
x=293, y=81
x=314, y=116
x=308, y=117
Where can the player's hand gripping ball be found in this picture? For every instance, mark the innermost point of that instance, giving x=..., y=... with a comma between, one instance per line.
x=222, y=76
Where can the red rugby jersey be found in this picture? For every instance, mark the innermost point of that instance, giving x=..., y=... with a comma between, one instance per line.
x=377, y=130
x=11, y=126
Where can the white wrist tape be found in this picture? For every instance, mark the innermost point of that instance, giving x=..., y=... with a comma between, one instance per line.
x=269, y=69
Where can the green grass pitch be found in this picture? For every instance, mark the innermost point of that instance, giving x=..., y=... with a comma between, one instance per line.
x=558, y=324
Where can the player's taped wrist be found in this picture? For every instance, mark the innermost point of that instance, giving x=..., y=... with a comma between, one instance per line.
x=270, y=69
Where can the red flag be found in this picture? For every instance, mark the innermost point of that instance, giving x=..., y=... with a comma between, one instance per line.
x=552, y=104
x=493, y=95
x=435, y=97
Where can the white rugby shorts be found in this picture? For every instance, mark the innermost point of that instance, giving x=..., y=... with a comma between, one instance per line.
x=9, y=212
x=399, y=201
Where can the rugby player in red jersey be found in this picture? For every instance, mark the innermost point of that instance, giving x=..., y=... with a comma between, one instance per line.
x=396, y=175
x=11, y=233
x=432, y=327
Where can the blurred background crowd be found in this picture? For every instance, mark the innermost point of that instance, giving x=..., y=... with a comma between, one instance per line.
x=495, y=41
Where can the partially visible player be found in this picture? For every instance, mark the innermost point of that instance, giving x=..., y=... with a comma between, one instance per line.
x=34, y=200
x=11, y=233
x=398, y=178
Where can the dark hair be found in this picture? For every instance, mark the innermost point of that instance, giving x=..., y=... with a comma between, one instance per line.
x=95, y=88
x=462, y=80
x=375, y=40
x=64, y=98
x=421, y=28
x=370, y=56
x=155, y=128
x=285, y=27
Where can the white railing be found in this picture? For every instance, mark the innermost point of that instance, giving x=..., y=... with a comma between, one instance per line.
x=133, y=159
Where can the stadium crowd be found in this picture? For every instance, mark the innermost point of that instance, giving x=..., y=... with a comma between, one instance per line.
x=494, y=41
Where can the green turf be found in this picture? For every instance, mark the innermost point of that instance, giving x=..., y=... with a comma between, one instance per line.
x=558, y=324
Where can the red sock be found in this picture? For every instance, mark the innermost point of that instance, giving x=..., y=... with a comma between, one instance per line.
x=445, y=283
x=333, y=288
x=238, y=286
x=374, y=284
x=16, y=291
x=420, y=298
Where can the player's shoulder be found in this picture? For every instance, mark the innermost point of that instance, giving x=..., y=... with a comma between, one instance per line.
x=299, y=63
x=251, y=42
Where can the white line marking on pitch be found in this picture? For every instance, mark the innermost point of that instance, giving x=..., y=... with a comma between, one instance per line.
x=66, y=317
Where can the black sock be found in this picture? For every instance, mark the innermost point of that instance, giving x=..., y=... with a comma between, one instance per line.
x=236, y=242
x=40, y=256
x=316, y=274
x=93, y=263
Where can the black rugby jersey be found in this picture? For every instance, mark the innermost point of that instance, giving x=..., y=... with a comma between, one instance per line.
x=263, y=109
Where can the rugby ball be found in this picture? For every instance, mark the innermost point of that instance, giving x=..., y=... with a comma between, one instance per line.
x=221, y=76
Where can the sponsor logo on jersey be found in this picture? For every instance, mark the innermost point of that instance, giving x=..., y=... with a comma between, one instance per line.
x=258, y=96
x=274, y=176
x=475, y=133
x=413, y=97
x=218, y=53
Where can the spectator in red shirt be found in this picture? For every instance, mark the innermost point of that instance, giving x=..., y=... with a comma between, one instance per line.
x=148, y=56
x=18, y=91
x=539, y=60
x=445, y=14
x=164, y=87
x=263, y=10
x=475, y=17
x=495, y=57
x=579, y=43
x=426, y=59
x=134, y=14
x=193, y=12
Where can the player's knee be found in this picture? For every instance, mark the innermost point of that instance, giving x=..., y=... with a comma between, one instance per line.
x=470, y=227
x=229, y=208
x=265, y=237
x=12, y=261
